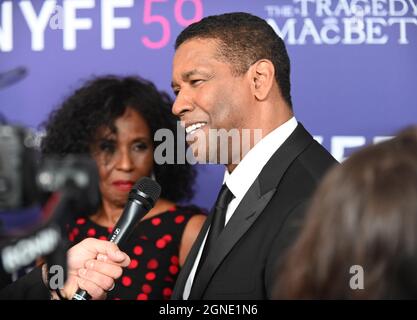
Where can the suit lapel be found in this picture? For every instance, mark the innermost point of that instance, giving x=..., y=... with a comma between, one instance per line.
x=249, y=209
x=242, y=219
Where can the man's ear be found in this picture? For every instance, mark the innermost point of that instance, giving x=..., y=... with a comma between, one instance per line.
x=262, y=74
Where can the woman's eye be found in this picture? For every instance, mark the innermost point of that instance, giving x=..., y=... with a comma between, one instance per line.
x=140, y=146
x=107, y=146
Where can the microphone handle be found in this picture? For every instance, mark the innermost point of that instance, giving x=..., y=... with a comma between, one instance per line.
x=131, y=216
x=81, y=295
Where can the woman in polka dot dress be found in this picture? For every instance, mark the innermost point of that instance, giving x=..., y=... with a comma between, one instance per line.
x=153, y=249
x=114, y=119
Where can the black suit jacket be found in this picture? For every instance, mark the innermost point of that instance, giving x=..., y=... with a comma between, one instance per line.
x=243, y=264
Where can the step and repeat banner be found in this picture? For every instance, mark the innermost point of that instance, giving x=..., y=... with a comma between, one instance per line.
x=354, y=62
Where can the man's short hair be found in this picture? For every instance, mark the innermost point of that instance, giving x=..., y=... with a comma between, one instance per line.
x=244, y=39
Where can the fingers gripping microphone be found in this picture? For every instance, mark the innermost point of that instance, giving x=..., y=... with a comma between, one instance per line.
x=141, y=199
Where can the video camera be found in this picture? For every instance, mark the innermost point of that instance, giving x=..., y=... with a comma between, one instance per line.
x=18, y=159
x=26, y=178
x=62, y=186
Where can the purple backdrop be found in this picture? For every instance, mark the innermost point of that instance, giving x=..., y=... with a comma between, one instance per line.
x=354, y=63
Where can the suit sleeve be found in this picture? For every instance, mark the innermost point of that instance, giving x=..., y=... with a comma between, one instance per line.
x=29, y=287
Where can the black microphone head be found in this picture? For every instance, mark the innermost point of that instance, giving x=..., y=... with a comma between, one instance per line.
x=146, y=188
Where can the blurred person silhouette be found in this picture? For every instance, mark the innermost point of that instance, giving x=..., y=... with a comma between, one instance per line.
x=359, y=240
x=114, y=119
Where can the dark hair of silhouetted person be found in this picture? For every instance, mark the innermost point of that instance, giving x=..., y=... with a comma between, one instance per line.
x=364, y=214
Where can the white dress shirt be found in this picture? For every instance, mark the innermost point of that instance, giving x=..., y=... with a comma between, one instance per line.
x=243, y=176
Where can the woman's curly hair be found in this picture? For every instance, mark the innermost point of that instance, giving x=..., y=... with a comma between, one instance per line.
x=71, y=128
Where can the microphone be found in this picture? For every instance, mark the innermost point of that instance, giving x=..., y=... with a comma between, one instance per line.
x=141, y=199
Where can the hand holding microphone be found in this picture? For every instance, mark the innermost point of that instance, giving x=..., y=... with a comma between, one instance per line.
x=141, y=200
x=103, y=263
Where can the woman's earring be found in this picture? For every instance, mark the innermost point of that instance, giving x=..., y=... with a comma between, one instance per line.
x=153, y=176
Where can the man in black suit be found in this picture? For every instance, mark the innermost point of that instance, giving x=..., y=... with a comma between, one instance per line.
x=231, y=72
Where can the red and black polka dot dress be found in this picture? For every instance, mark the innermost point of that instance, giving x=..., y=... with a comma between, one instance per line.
x=153, y=248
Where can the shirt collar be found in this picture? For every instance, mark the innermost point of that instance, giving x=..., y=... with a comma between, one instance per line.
x=242, y=177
